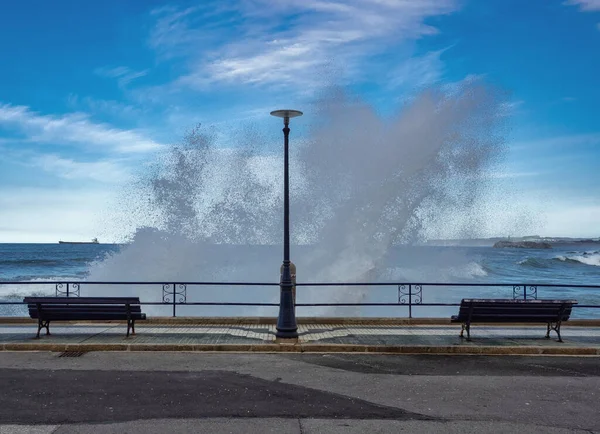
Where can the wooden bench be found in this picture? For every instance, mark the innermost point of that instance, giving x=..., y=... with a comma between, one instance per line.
x=47, y=309
x=551, y=312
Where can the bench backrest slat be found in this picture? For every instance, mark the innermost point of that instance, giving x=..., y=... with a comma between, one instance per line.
x=81, y=300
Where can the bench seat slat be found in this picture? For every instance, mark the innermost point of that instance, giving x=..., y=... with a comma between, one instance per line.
x=91, y=316
x=509, y=319
x=87, y=307
x=511, y=301
x=531, y=313
x=45, y=314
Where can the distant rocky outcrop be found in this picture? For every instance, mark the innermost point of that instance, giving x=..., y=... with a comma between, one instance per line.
x=522, y=245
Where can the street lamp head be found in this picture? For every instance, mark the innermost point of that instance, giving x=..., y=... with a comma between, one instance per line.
x=286, y=114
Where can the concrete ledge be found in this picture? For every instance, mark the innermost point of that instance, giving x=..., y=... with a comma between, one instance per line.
x=301, y=320
x=312, y=348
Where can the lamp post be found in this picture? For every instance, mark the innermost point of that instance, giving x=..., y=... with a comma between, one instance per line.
x=286, y=322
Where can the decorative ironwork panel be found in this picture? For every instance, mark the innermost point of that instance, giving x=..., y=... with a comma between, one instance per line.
x=517, y=292
x=167, y=295
x=174, y=293
x=532, y=292
x=67, y=289
x=181, y=293
x=410, y=294
x=525, y=292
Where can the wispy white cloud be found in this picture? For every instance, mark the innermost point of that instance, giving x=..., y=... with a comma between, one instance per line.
x=123, y=74
x=251, y=46
x=510, y=108
x=585, y=5
x=112, y=108
x=105, y=171
x=73, y=128
x=419, y=72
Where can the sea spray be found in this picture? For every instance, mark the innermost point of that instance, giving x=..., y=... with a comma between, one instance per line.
x=361, y=184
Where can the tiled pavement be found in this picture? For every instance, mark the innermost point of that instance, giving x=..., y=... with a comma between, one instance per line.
x=324, y=335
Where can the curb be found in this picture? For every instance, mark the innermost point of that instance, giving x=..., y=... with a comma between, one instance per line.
x=311, y=348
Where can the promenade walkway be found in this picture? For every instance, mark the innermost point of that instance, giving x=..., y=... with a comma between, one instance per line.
x=345, y=336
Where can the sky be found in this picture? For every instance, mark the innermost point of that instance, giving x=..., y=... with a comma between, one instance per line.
x=90, y=91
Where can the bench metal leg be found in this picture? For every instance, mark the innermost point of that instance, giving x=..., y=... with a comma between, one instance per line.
x=43, y=324
x=130, y=326
x=556, y=328
x=548, y=332
x=467, y=327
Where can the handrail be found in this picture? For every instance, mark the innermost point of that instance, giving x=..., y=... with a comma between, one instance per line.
x=207, y=283
x=409, y=294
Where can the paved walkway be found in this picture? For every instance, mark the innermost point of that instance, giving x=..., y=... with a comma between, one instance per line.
x=313, y=337
x=191, y=392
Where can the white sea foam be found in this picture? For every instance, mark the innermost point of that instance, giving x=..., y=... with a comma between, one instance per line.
x=587, y=258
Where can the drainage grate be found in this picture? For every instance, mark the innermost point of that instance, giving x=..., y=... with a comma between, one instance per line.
x=71, y=354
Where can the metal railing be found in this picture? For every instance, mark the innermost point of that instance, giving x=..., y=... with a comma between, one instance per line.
x=408, y=295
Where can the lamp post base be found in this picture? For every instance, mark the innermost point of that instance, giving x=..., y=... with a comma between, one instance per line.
x=286, y=322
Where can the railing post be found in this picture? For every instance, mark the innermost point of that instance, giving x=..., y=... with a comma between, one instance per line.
x=524, y=292
x=67, y=289
x=410, y=301
x=174, y=303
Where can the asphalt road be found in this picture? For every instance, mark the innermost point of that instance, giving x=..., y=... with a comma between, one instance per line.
x=297, y=393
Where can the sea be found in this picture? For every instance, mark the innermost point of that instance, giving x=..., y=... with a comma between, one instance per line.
x=25, y=267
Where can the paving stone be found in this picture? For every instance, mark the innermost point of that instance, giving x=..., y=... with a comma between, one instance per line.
x=258, y=334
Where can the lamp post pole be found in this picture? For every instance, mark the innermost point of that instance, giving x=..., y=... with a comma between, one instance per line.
x=286, y=321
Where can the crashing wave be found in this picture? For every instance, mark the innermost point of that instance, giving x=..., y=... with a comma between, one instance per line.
x=583, y=258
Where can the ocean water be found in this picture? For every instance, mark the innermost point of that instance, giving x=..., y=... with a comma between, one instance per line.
x=564, y=264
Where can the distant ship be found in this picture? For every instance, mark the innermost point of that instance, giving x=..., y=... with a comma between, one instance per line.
x=94, y=241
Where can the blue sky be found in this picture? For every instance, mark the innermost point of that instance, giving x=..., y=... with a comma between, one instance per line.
x=90, y=90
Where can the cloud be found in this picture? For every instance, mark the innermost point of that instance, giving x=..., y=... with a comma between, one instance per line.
x=510, y=108
x=419, y=72
x=123, y=74
x=260, y=42
x=106, y=171
x=73, y=128
x=585, y=5
x=115, y=109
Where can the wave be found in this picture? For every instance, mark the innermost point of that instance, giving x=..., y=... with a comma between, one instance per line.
x=36, y=286
x=77, y=275
x=572, y=258
x=586, y=258
x=469, y=270
x=536, y=263
x=45, y=262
